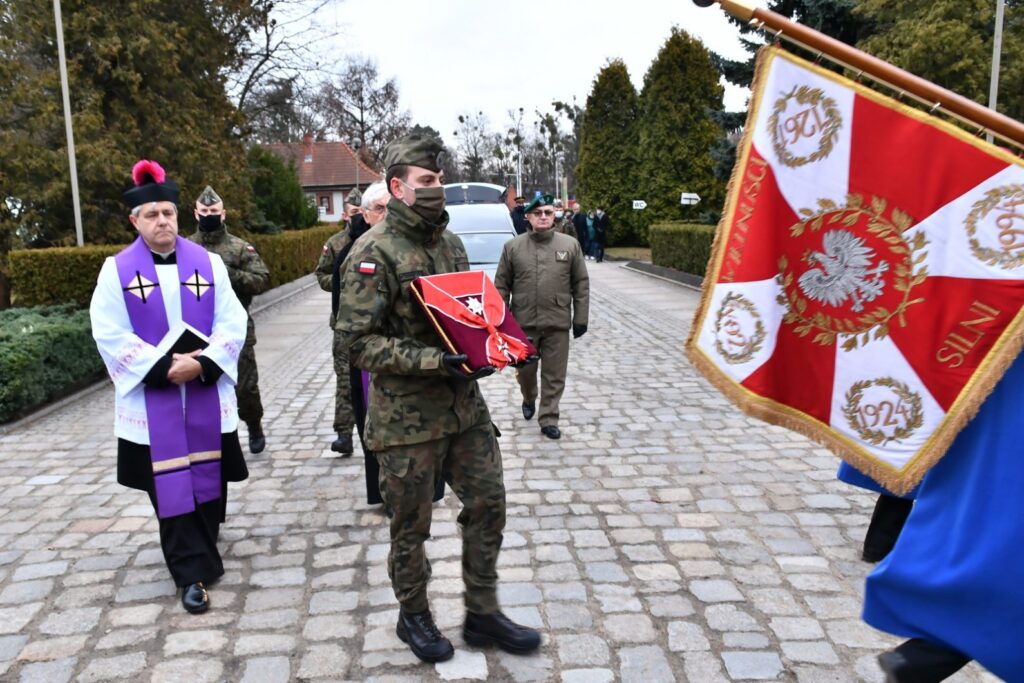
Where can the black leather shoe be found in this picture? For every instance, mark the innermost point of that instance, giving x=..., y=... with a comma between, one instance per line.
x=919, y=661
x=551, y=431
x=497, y=629
x=195, y=599
x=257, y=439
x=343, y=445
x=420, y=633
x=529, y=409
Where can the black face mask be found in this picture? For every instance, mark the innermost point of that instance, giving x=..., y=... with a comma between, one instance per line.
x=210, y=223
x=359, y=224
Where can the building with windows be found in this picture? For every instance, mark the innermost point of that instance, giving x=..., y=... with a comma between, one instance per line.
x=327, y=171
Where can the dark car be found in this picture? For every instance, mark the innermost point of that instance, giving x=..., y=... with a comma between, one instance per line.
x=472, y=193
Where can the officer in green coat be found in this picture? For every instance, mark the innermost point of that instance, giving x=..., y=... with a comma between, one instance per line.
x=328, y=275
x=544, y=273
x=249, y=277
x=427, y=418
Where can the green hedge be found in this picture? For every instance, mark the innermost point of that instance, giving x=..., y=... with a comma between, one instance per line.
x=44, y=352
x=60, y=275
x=682, y=246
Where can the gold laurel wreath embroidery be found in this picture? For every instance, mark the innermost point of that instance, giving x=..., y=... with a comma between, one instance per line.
x=888, y=230
x=876, y=437
x=987, y=255
x=834, y=121
x=754, y=343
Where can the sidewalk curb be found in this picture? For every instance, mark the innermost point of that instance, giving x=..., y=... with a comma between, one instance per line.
x=678, y=277
x=259, y=303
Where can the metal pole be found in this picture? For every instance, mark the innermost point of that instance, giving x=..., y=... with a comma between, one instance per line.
x=519, y=173
x=67, y=124
x=997, y=49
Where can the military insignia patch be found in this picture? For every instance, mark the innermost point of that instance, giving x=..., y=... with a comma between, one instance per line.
x=367, y=267
x=561, y=256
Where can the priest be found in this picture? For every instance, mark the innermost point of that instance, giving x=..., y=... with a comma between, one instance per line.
x=170, y=330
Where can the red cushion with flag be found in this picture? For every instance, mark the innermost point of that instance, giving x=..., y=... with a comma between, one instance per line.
x=867, y=281
x=470, y=316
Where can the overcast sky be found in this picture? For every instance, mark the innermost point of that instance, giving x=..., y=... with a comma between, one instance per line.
x=462, y=56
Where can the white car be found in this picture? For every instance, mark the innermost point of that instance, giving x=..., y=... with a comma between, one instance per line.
x=484, y=229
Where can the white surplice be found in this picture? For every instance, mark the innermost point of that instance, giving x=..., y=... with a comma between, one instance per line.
x=128, y=358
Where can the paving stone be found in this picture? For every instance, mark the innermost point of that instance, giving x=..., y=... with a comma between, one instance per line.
x=263, y=643
x=323, y=660
x=58, y=671
x=815, y=653
x=70, y=621
x=14, y=619
x=562, y=616
x=26, y=591
x=330, y=627
x=52, y=648
x=325, y=602
x=715, y=591
x=121, y=666
x=194, y=641
x=525, y=669
x=588, y=676
x=125, y=637
x=185, y=670
x=644, y=665
x=685, y=636
x=752, y=665
x=267, y=670
x=273, y=578
x=464, y=665
x=630, y=628
x=582, y=649
x=135, y=616
x=796, y=628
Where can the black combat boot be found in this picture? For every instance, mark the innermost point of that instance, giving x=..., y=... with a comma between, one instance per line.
x=257, y=439
x=343, y=444
x=919, y=661
x=497, y=629
x=529, y=409
x=421, y=634
x=887, y=522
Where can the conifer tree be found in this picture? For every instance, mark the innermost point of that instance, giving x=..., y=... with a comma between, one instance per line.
x=606, y=173
x=677, y=131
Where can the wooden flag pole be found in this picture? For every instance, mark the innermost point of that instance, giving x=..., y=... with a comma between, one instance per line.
x=882, y=71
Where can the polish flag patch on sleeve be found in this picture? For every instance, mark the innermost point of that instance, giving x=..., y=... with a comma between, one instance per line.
x=367, y=267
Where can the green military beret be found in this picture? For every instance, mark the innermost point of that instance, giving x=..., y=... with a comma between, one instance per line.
x=354, y=197
x=209, y=197
x=415, y=150
x=543, y=200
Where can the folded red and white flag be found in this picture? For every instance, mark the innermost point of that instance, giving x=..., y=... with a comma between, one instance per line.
x=867, y=278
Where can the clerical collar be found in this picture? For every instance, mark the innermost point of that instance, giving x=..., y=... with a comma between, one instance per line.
x=167, y=259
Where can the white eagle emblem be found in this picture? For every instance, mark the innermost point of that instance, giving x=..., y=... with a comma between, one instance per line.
x=475, y=306
x=846, y=271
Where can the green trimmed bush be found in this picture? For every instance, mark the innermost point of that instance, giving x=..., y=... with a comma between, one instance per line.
x=45, y=352
x=681, y=246
x=60, y=275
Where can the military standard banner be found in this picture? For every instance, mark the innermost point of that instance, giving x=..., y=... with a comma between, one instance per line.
x=867, y=278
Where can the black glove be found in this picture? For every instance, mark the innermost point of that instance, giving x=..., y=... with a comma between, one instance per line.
x=532, y=358
x=452, y=363
x=578, y=331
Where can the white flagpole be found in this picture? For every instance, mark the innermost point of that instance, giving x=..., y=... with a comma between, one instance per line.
x=67, y=124
x=997, y=49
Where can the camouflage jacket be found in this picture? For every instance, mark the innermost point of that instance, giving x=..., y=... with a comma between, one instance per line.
x=547, y=279
x=336, y=245
x=249, y=275
x=565, y=226
x=412, y=399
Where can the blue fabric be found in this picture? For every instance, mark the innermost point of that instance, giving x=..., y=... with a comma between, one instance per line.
x=851, y=475
x=954, y=577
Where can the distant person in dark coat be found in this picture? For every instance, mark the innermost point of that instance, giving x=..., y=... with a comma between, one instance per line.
x=579, y=221
x=601, y=226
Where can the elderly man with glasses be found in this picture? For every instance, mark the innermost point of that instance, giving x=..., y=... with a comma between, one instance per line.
x=544, y=273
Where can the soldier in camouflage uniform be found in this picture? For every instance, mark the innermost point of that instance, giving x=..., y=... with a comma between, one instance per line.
x=563, y=224
x=328, y=275
x=427, y=418
x=249, y=277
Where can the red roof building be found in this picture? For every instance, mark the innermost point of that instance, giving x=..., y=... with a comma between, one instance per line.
x=327, y=171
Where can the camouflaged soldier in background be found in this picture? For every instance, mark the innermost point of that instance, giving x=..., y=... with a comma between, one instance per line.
x=329, y=278
x=563, y=224
x=249, y=277
x=427, y=419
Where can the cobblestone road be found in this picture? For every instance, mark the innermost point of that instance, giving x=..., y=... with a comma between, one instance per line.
x=666, y=537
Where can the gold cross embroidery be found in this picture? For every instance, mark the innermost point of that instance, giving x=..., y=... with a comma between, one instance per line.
x=197, y=285
x=140, y=286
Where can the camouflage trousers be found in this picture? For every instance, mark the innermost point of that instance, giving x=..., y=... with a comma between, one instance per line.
x=344, y=420
x=553, y=349
x=471, y=464
x=247, y=390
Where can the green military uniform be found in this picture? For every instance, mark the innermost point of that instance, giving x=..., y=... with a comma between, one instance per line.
x=545, y=275
x=328, y=277
x=565, y=226
x=422, y=423
x=249, y=277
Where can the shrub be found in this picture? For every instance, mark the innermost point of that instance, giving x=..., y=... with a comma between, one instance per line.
x=277, y=194
x=682, y=246
x=45, y=352
x=68, y=274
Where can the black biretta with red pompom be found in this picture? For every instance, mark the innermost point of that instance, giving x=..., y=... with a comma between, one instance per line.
x=151, y=185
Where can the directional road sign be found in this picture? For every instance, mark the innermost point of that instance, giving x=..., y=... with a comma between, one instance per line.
x=639, y=204
x=689, y=198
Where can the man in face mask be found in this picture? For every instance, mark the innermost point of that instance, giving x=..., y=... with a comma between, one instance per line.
x=427, y=418
x=562, y=224
x=249, y=277
x=328, y=276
